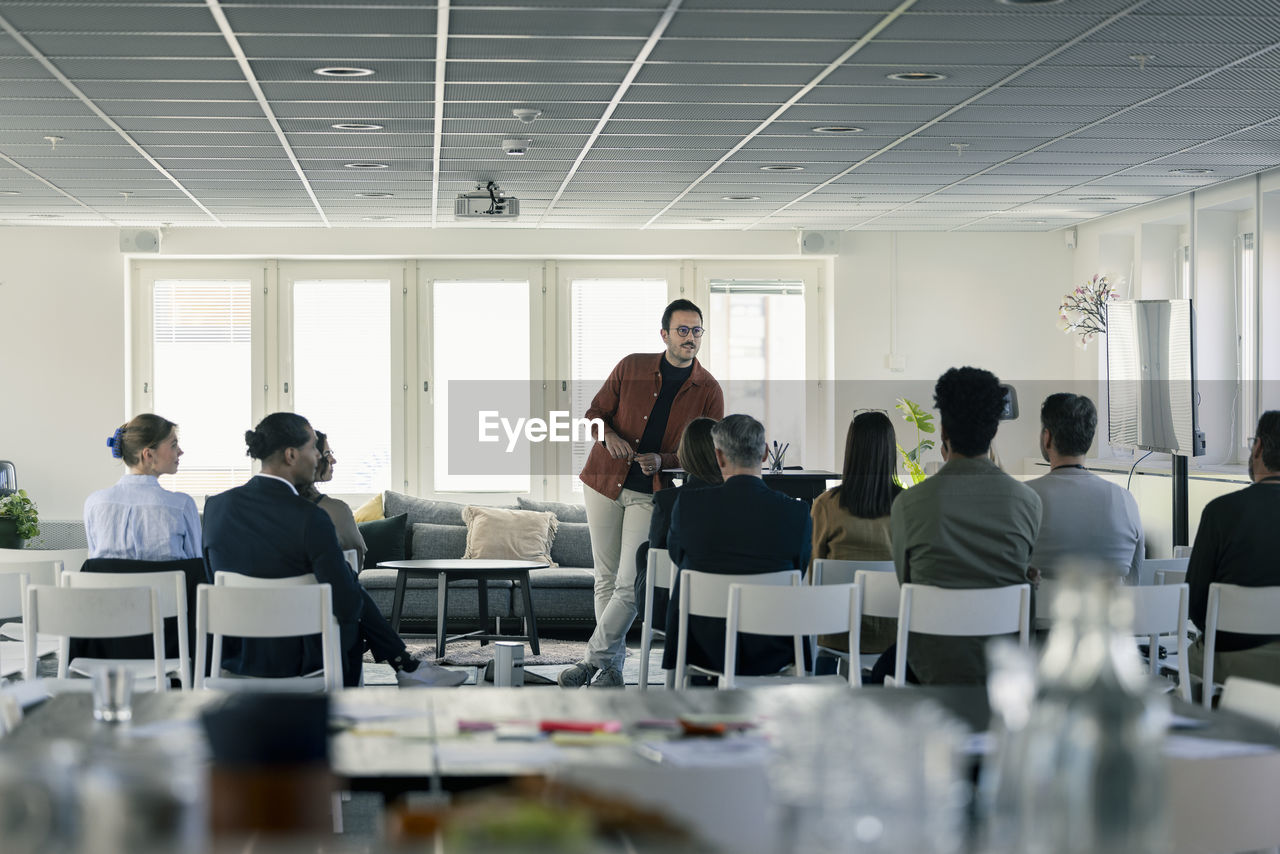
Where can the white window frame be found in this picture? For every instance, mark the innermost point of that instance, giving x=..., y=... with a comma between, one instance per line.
x=290, y=272
x=676, y=274
x=422, y=374
x=819, y=305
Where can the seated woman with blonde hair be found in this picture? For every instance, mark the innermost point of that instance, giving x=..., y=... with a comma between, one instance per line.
x=851, y=521
x=138, y=519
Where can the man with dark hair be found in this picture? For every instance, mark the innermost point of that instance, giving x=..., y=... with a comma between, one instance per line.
x=739, y=527
x=970, y=525
x=1083, y=516
x=266, y=530
x=1238, y=542
x=644, y=404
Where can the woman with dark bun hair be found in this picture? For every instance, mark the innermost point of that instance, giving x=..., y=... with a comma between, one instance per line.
x=138, y=519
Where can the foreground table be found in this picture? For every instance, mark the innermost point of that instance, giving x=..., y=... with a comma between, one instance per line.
x=482, y=571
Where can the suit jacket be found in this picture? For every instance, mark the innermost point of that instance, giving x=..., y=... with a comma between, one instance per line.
x=740, y=527
x=263, y=529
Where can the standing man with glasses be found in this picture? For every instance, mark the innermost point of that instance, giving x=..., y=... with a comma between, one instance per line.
x=645, y=404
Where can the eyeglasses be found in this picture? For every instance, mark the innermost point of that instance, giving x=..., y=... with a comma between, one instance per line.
x=686, y=331
x=328, y=455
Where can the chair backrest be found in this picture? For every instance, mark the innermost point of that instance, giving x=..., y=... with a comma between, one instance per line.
x=961, y=612
x=170, y=588
x=352, y=557
x=1148, y=568
x=92, y=613
x=706, y=594
x=1170, y=576
x=1258, y=700
x=1232, y=608
x=1162, y=610
x=46, y=572
x=236, y=579
x=805, y=610
x=266, y=611
x=830, y=571
x=13, y=593
x=660, y=567
x=72, y=559
x=1182, y=551
x=880, y=593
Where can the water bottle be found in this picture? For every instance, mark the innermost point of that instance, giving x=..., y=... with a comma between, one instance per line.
x=1081, y=771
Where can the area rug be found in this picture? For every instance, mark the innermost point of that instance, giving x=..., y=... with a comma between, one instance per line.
x=469, y=653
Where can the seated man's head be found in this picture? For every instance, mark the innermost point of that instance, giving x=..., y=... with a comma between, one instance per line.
x=286, y=446
x=970, y=401
x=1264, y=456
x=1067, y=424
x=740, y=448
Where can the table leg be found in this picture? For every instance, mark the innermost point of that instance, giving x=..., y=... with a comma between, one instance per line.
x=482, y=591
x=397, y=601
x=442, y=598
x=530, y=622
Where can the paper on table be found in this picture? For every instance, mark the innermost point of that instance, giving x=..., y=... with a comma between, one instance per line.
x=1195, y=747
x=708, y=752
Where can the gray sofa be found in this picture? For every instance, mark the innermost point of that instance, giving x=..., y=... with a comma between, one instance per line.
x=563, y=595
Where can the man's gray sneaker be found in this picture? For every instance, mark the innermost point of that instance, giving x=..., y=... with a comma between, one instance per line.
x=577, y=676
x=430, y=676
x=608, y=678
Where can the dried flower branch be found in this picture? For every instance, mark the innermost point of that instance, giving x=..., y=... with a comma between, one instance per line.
x=1084, y=311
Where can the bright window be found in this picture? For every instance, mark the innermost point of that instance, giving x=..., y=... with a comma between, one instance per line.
x=609, y=319
x=756, y=331
x=341, y=376
x=1247, y=294
x=480, y=360
x=203, y=381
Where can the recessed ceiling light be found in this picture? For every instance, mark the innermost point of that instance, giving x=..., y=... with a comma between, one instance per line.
x=1035, y=222
x=1190, y=171
x=363, y=165
x=710, y=219
x=343, y=71
x=1097, y=198
x=836, y=129
x=917, y=76
x=375, y=195
x=1029, y=2
x=741, y=198
x=46, y=216
x=10, y=192
x=376, y=218
x=356, y=126
x=781, y=168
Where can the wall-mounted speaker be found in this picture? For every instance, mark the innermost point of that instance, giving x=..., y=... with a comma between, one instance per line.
x=819, y=242
x=140, y=240
x=1070, y=235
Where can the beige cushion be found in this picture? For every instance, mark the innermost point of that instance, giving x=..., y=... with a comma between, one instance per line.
x=371, y=510
x=495, y=532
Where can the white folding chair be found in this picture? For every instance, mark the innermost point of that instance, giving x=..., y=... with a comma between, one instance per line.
x=1170, y=576
x=98, y=613
x=1162, y=610
x=771, y=610
x=171, y=598
x=13, y=597
x=831, y=571
x=1148, y=569
x=265, y=611
x=72, y=559
x=706, y=594
x=1258, y=700
x=1244, y=610
x=659, y=573
x=960, y=612
x=880, y=596
x=1181, y=551
x=46, y=572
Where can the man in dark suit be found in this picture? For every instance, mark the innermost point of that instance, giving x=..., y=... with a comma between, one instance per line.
x=740, y=527
x=266, y=530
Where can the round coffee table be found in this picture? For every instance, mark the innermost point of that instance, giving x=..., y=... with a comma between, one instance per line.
x=482, y=570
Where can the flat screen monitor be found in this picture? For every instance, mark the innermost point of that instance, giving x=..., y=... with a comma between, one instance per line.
x=1151, y=377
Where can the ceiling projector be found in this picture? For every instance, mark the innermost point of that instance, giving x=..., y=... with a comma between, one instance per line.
x=487, y=201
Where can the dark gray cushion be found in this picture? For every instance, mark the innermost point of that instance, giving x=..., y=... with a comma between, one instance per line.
x=422, y=510
x=572, y=545
x=384, y=539
x=564, y=512
x=438, y=542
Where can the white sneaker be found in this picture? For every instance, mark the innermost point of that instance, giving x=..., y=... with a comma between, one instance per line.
x=429, y=675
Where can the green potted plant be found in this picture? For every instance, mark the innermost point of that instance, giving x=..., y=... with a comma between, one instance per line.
x=922, y=420
x=19, y=520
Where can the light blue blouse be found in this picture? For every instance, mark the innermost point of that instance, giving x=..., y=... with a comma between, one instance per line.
x=138, y=519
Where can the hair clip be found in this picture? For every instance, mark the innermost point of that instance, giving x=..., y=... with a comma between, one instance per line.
x=113, y=442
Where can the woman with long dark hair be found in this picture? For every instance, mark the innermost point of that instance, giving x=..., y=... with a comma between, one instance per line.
x=343, y=519
x=137, y=518
x=851, y=521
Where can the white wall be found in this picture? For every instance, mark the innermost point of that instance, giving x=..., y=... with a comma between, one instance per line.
x=988, y=300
